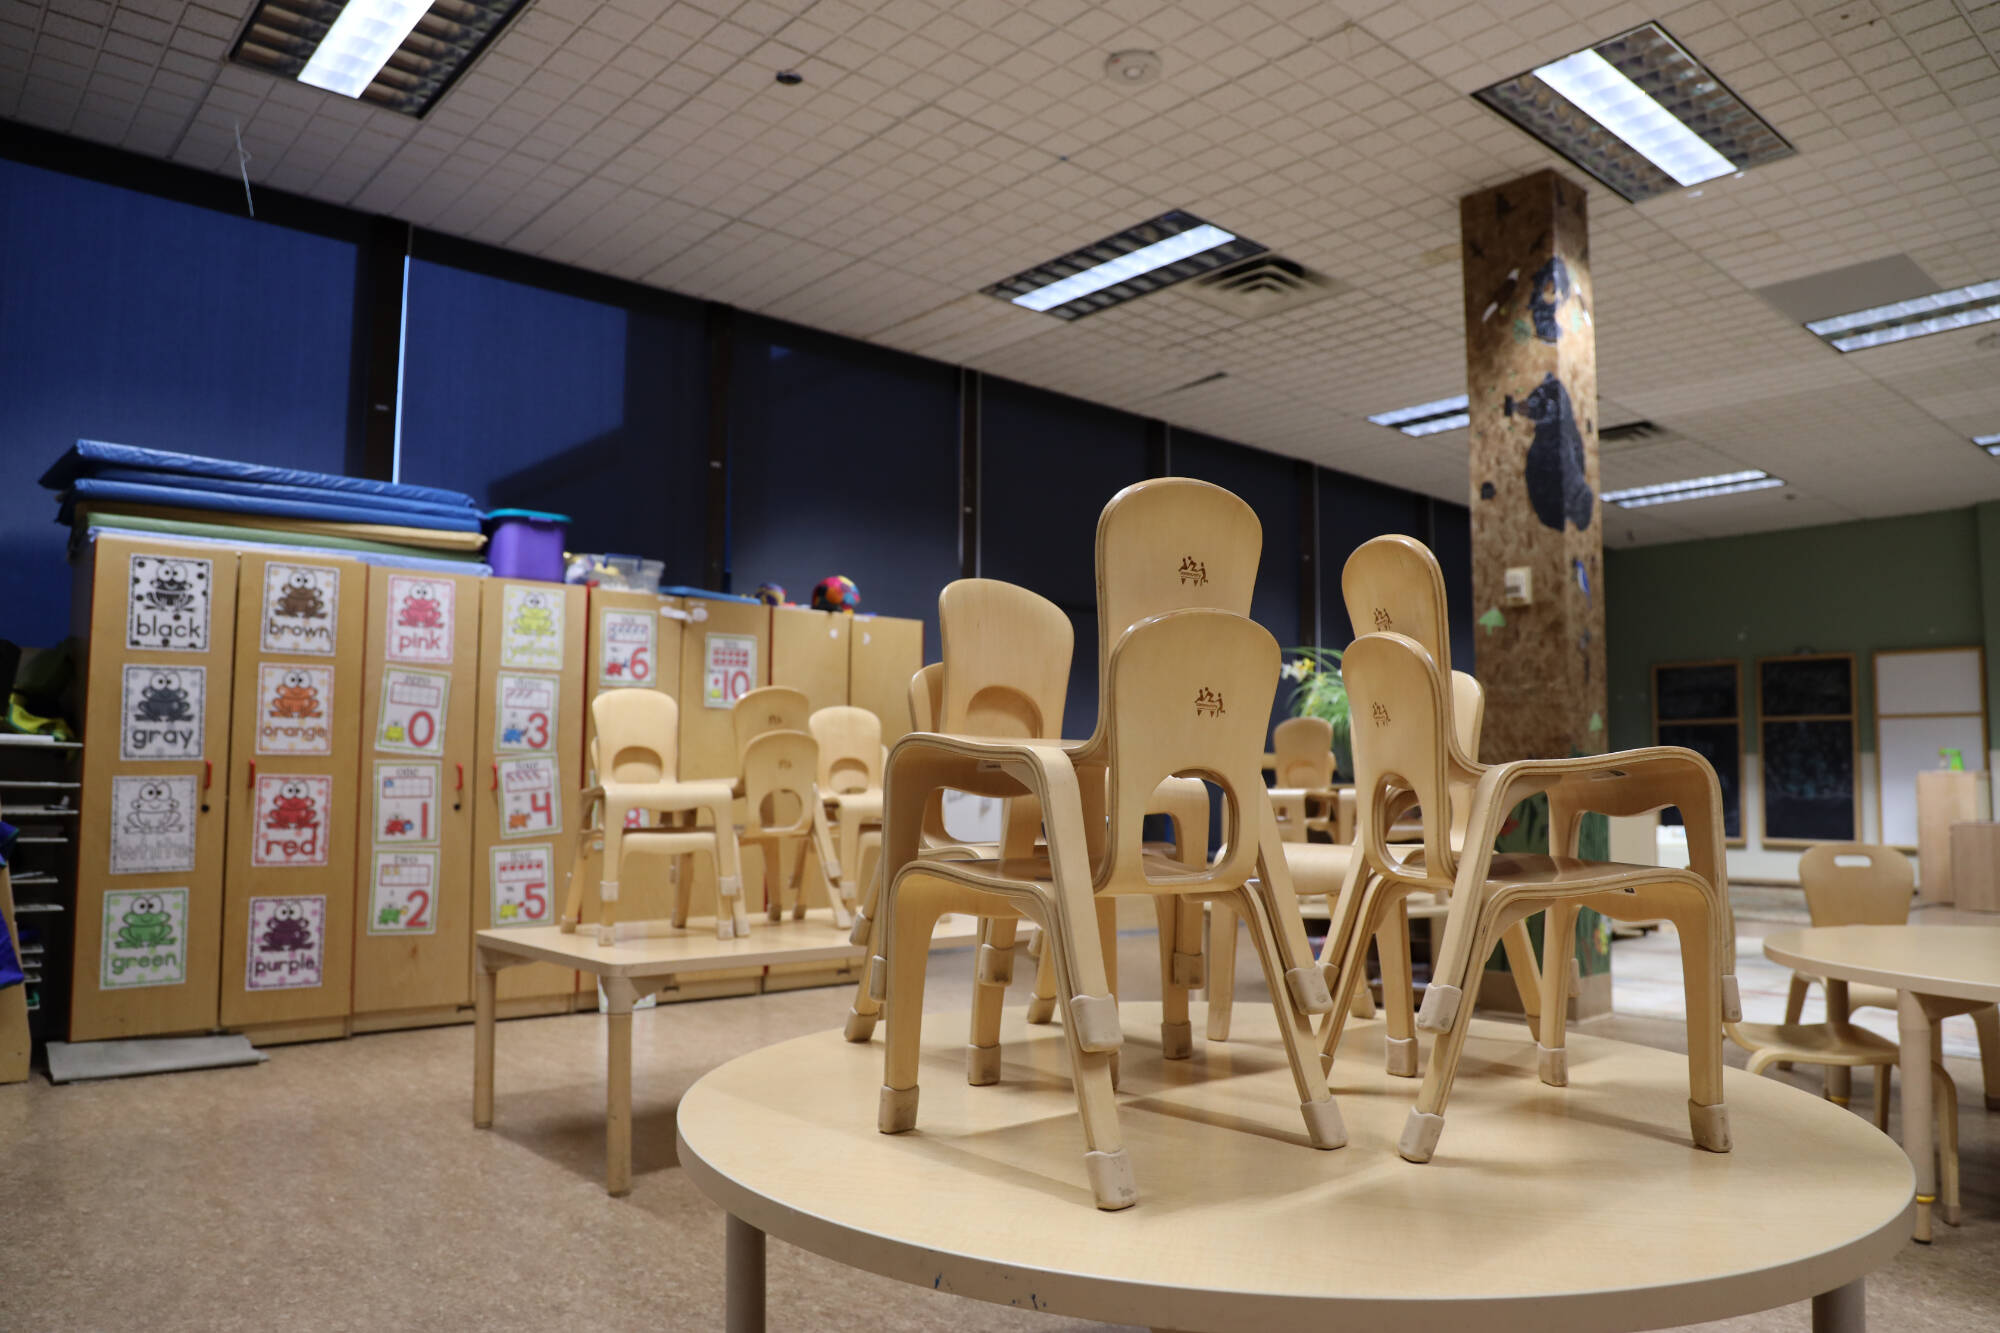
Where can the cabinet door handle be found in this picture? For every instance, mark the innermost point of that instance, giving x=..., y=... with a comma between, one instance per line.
x=207, y=781
x=496, y=775
x=458, y=793
x=253, y=774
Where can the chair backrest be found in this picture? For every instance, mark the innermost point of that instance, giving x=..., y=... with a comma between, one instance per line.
x=638, y=736
x=773, y=708
x=1392, y=585
x=1006, y=660
x=1187, y=695
x=850, y=749
x=778, y=769
x=1302, y=752
x=1873, y=889
x=926, y=696
x=1400, y=736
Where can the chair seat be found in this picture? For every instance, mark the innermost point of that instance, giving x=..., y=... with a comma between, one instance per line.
x=856, y=804
x=1161, y=866
x=660, y=842
x=1814, y=1043
x=1318, y=867
x=1568, y=872
x=708, y=789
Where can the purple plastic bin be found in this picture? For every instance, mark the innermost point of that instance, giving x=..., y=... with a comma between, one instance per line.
x=526, y=543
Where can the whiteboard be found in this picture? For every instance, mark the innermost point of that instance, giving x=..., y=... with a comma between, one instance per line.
x=1910, y=745
x=1949, y=680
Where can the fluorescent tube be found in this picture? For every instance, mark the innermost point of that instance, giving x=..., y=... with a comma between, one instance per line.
x=1628, y=111
x=360, y=42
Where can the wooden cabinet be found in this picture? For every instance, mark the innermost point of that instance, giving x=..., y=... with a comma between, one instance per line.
x=883, y=653
x=1975, y=866
x=809, y=651
x=1945, y=797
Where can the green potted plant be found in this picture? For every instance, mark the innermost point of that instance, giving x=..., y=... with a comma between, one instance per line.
x=1321, y=693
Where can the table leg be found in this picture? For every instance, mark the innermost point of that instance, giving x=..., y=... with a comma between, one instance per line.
x=1913, y=1030
x=619, y=994
x=743, y=1247
x=485, y=982
x=1842, y=1310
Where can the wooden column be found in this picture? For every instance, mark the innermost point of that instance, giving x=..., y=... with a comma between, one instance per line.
x=1531, y=373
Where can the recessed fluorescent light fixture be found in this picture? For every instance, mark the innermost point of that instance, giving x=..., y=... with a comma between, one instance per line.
x=1990, y=443
x=1639, y=113
x=1695, y=488
x=1428, y=418
x=1959, y=308
x=400, y=54
x=1138, y=260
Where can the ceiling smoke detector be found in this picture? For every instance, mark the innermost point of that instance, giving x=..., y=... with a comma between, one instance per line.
x=1131, y=69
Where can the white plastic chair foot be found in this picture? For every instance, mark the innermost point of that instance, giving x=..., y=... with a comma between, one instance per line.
x=729, y=886
x=1094, y=1019
x=897, y=1111
x=860, y=1026
x=1309, y=991
x=1552, y=1064
x=607, y=934
x=1111, y=1179
x=607, y=891
x=1042, y=1009
x=995, y=966
x=1440, y=1006
x=1401, y=1053
x=1710, y=1125
x=878, y=978
x=1176, y=1041
x=860, y=931
x=1732, y=999
x=982, y=1065
x=1420, y=1136
x=1189, y=971
x=725, y=928
x=1323, y=1124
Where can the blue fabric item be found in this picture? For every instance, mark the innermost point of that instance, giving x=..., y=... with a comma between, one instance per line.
x=393, y=506
x=10, y=962
x=536, y=515
x=88, y=455
x=476, y=568
x=192, y=497
x=703, y=594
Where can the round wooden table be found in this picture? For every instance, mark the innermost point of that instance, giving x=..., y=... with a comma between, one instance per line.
x=1922, y=964
x=1578, y=1208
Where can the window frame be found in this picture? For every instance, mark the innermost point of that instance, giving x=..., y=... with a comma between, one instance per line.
x=1851, y=717
x=1742, y=836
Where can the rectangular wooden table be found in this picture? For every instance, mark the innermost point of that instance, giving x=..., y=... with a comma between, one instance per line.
x=633, y=969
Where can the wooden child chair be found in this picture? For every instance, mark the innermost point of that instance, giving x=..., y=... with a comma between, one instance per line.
x=1302, y=790
x=1401, y=749
x=1186, y=695
x=850, y=786
x=636, y=757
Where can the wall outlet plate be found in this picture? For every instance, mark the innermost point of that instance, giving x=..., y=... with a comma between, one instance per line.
x=1519, y=587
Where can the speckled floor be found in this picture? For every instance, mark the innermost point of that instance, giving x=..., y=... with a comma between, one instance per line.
x=341, y=1186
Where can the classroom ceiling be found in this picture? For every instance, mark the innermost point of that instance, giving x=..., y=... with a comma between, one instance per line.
x=935, y=148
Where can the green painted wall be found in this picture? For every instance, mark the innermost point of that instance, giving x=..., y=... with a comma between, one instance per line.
x=1912, y=582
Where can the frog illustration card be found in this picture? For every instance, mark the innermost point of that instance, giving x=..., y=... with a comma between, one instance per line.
x=301, y=608
x=530, y=804
x=626, y=650
x=421, y=618
x=521, y=885
x=162, y=711
x=413, y=710
x=152, y=824
x=289, y=826
x=525, y=721
x=167, y=603
x=145, y=938
x=406, y=802
x=294, y=708
x=531, y=627
x=287, y=943
x=402, y=893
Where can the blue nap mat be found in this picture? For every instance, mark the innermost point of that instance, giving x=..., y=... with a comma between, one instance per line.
x=193, y=497
x=391, y=507
x=89, y=455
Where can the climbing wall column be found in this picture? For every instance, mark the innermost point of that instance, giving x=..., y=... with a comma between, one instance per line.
x=1531, y=373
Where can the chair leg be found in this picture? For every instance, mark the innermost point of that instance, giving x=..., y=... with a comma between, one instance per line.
x=1520, y=947
x=1042, y=1008
x=1392, y=944
x=1090, y=1028
x=1221, y=988
x=1324, y=1128
x=681, y=889
x=863, y=1010
x=1795, y=1006
x=991, y=973
x=1426, y=1119
x=910, y=912
x=1839, y=1078
x=1944, y=1093
x=1701, y=983
x=1987, y=1023
x=1351, y=977
x=1176, y=1032
x=1881, y=1096
x=1558, y=951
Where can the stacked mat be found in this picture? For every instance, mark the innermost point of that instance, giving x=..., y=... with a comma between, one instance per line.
x=116, y=486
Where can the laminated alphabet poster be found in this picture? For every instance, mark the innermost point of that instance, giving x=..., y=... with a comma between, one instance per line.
x=530, y=801
x=162, y=711
x=287, y=943
x=152, y=824
x=402, y=893
x=531, y=627
x=525, y=721
x=294, y=708
x=289, y=825
x=626, y=652
x=732, y=669
x=301, y=608
x=168, y=603
x=521, y=885
x=421, y=619
x=406, y=802
x=145, y=939
x=413, y=710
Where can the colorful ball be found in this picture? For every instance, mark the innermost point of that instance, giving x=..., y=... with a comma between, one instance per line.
x=835, y=592
x=771, y=594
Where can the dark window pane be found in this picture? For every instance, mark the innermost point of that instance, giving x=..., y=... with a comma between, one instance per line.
x=1809, y=780
x=1718, y=745
x=1801, y=689
x=1695, y=691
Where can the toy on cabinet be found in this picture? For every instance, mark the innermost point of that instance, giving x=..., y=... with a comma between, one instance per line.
x=418, y=790
x=157, y=621
x=289, y=880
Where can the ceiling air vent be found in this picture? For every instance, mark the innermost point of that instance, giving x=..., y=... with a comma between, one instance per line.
x=1632, y=432
x=1262, y=286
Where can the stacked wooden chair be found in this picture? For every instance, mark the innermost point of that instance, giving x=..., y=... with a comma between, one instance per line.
x=850, y=788
x=780, y=765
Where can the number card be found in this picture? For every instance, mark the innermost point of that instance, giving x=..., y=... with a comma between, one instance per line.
x=287, y=943
x=531, y=628
x=406, y=802
x=732, y=669
x=168, y=603
x=521, y=885
x=413, y=711
x=301, y=608
x=421, y=618
x=526, y=718
x=290, y=823
x=145, y=939
x=152, y=825
x=294, y=709
x=530, y=803
x=163, y=712
x=402, y=894
x=626, y=653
